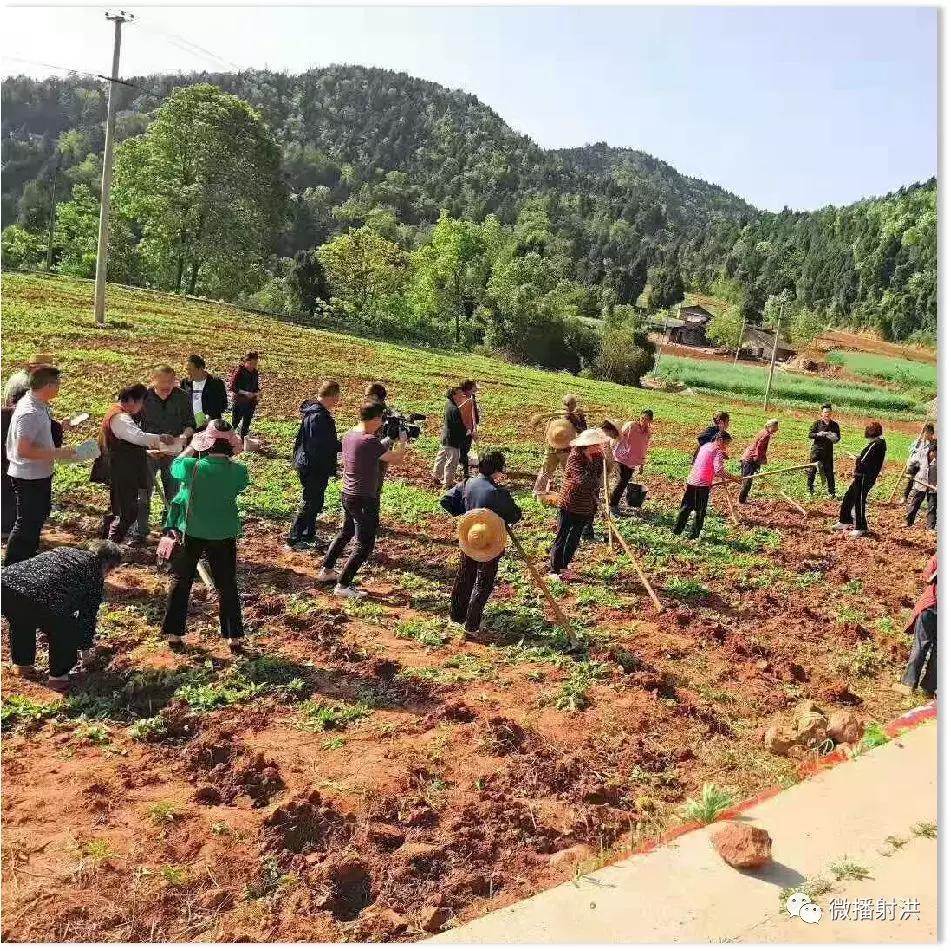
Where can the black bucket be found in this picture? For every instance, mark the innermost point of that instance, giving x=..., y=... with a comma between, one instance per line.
x=635, y=495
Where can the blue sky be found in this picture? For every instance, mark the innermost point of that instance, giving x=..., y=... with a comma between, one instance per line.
x=784, y=106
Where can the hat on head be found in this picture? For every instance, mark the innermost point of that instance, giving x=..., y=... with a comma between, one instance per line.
x=482, y=534
x=206, y=439
x=591, y=437
x=568, y=399
x=41, y=360
x=559, y=433
x=772, y=422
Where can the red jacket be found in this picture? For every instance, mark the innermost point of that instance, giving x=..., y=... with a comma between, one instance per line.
x=929, y=597
x=756, y=451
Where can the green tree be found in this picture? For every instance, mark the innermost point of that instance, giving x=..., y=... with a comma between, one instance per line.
x=22, y=250
x=307, y=282
x=666, y=288
x=625, y=355
x=76, y=238
x=367, y=276
x=725, y=326
x=204, y=184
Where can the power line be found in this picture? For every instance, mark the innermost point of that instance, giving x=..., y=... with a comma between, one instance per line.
x=186, y=45
x=65, y=69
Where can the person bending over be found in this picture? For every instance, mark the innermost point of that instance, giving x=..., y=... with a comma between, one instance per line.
x=708, y=466
x=754, y=458
x=476, y=579
x=363, y=454
x=579, y=497
x=58, y=592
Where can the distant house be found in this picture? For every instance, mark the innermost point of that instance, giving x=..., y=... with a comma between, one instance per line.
x=690, y=327
x=758, y=345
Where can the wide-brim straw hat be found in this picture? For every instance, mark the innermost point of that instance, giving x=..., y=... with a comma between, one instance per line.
x=41, y=360
x=591, y=437
x=482, y=534
x=559, y=433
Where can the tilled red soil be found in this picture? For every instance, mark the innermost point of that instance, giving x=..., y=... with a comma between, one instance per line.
x=453, y=796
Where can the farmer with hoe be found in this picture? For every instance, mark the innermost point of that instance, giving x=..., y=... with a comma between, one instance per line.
x=630, y=454
x=486, y=508
x=562, y=426
x=922, y=670
x=918, y=458
x=868, y=465
x=579, y=497
x=754, y=457
x=824, y=433
x=363, y=457
x=925, y=483
x=315, y=459
x=708, y=465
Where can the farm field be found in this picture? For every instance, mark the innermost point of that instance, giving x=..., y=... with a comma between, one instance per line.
x=361, y=775
x=910, y=374
x=801, y=390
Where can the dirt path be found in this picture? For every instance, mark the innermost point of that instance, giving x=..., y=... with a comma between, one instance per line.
x=685, y=893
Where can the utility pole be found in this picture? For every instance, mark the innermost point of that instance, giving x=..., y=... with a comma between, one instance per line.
x=739, y=342
x=102, y=254
x=772, y=362
x=51, y=227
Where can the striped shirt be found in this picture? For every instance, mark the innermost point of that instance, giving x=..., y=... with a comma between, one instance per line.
x=583, y=476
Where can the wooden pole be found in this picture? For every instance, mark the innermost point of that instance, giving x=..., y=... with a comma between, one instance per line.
x=793, y=502
x=739, y=343
x=772, y=362
x=729, y=501
x=607, y=513
x=640, y=574
x=773, y=472
x=540, y=584
x=901, y=478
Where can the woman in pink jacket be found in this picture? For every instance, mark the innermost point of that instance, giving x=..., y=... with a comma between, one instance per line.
x=709, y=464
x=630, y=453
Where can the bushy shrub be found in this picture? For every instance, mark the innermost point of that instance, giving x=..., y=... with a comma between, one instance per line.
x=625, y=355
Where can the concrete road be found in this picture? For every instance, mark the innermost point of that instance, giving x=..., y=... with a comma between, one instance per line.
x=684, y=892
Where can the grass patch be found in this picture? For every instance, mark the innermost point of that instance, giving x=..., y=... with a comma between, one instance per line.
x=845, y=870
x=712, y=801
x=320, y=716
x=909, y=374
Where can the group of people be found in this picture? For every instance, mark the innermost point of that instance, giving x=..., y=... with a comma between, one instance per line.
x=173, y=432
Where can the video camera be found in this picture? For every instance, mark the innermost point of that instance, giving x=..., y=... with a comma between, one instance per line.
x=395, y=423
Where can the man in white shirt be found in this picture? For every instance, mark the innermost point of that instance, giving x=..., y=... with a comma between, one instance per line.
x=31, y=454
x=208, y=393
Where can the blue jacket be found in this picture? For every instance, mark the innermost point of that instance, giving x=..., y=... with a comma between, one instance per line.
x=316, y=445
x=481, y=492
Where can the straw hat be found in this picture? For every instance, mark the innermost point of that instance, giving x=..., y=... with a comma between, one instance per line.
x=482, y=534
x=591, y=437
x=41, y=360
x=559, y=433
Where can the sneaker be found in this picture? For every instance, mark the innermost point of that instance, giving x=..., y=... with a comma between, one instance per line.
x=176, y=644
x=468, y=633
x=843, y=526
x=235, y=645
x=553, y=576
x=326, y=575
x=858, y=533
x=350, y=592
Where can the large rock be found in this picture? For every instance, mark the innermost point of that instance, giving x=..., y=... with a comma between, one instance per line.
x=742, y=845
x=844, y=727
x=778, y=740
x=809, y=724
x=432, y=918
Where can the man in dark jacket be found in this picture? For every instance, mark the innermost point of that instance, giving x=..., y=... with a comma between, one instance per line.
x=166, y=411
x=245, y=386
x=207, y=393
x=476, y=579
x=720, y=424
x=315, y=458
x=452, y=441
x=824, y=434
x=868, y=465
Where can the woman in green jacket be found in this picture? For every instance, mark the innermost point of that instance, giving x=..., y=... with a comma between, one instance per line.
x=204, y=517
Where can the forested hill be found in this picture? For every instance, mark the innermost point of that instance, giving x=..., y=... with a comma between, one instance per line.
x=362, y=145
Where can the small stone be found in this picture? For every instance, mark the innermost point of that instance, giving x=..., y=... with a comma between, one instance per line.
x=207, y=795
x=432, y=919
x=741, y=845
x=575, y=854
x=844, y=727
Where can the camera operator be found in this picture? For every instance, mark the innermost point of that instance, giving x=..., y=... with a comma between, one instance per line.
x=375, y=393
x=364, y=456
